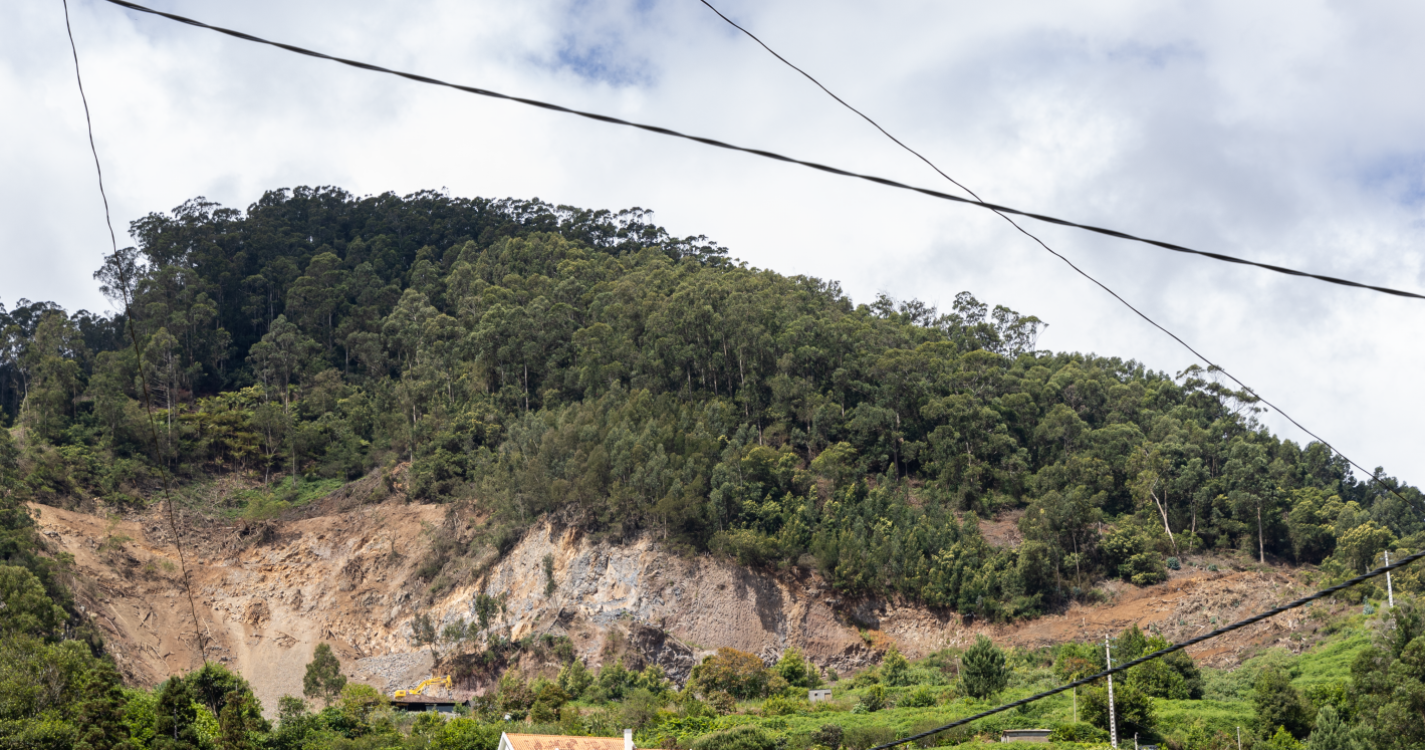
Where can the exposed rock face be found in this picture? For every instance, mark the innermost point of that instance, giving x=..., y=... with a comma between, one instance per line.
x=267, y=596
x=701, y=603
x=657, y=647
x=262, y=607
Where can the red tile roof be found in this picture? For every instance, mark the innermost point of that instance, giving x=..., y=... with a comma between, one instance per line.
x=561, y=742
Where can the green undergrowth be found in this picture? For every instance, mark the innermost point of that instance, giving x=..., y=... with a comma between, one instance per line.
x=1178, y=717
x=1318, y=673
x=1326, y=665
x=261, y=503
x=256, y=503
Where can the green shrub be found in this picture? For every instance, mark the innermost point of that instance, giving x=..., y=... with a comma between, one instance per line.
x=874, y=699
x=466, y=734
x=794, y=668
x=747, y=546
x=745, y=737
x=895, y=669
x=1126, y=553
x=1081, y=731
x=1282, y=740
x=737, y=673
x=574, y=678
x=828, y=735
x=779, y=705
x=863, y=737
x=1278, y=704
x=953, y=736
x=1133, y=708
x=1143, y=569
x=920, y=697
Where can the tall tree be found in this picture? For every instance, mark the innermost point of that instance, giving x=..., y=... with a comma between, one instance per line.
x=323, y=678
x=983, y=671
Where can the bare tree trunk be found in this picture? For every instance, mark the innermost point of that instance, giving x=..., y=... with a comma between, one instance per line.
x=1261, y=544
x=1163, y=511
x=1162, y=505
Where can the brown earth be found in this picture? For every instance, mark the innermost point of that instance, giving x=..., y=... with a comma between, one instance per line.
x=345, y=573
x=261, y=607
x=1002, y=530
x=1189, y=604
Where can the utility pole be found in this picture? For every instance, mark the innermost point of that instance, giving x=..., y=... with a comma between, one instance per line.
x=1239, y=738
x=1112, y=719
x=1388, y=590
x=1076, y=705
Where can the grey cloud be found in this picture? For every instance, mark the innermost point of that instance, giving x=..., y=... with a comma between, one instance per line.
x=1279, y=131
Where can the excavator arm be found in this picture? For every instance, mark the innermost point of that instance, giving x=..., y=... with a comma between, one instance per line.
x=417, y=690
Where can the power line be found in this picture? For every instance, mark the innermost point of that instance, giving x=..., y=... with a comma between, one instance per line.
x=1003, y=214
x=1163, y=652
x=138, y=355
x=1002, y=210
x=1177, y=646
x=765, y=154
x=838, y=99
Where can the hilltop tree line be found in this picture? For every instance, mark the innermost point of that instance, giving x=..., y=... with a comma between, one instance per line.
x=586, y=366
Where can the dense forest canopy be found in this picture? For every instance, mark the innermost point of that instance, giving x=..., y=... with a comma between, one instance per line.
x=587, y=366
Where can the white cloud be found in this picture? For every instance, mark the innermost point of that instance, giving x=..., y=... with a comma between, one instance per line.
x=1283, y=132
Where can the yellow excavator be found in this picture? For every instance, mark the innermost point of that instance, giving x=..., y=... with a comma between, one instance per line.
x=434, y=681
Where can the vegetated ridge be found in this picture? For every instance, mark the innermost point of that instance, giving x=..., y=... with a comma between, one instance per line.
x=587, y=366
x=558, y=418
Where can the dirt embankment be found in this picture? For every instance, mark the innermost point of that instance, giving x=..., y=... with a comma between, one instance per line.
x=262, y=607
x=266, y=596
x=1188, y=605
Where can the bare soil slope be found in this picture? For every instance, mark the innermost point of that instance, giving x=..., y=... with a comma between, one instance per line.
x=261, y=607
x=1187, y=605
x=265, y=595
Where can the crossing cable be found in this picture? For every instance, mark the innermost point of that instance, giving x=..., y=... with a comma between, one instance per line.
x=1162, y=652
x=1003, y=213
x=1002, y=210
x=759, y=152
x=124, y=285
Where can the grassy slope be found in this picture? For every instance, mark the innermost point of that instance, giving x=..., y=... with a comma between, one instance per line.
x=1228, y=704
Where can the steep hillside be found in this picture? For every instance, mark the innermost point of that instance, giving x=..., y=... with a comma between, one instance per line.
x=585, y=368
x=346, y=573
x=383, y=419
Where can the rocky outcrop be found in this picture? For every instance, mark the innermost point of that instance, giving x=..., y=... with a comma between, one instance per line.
x=655, y=646
x=266, y=596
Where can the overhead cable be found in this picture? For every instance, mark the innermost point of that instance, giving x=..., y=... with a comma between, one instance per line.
x=1002, y=210
x=1003, y=214
x=1162, y=652
x=138, y=357
x=759, y=152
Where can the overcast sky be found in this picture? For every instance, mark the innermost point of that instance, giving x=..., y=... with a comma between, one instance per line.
x=1288, y=132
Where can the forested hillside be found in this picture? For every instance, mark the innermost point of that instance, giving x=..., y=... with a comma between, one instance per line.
x=541, y=361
